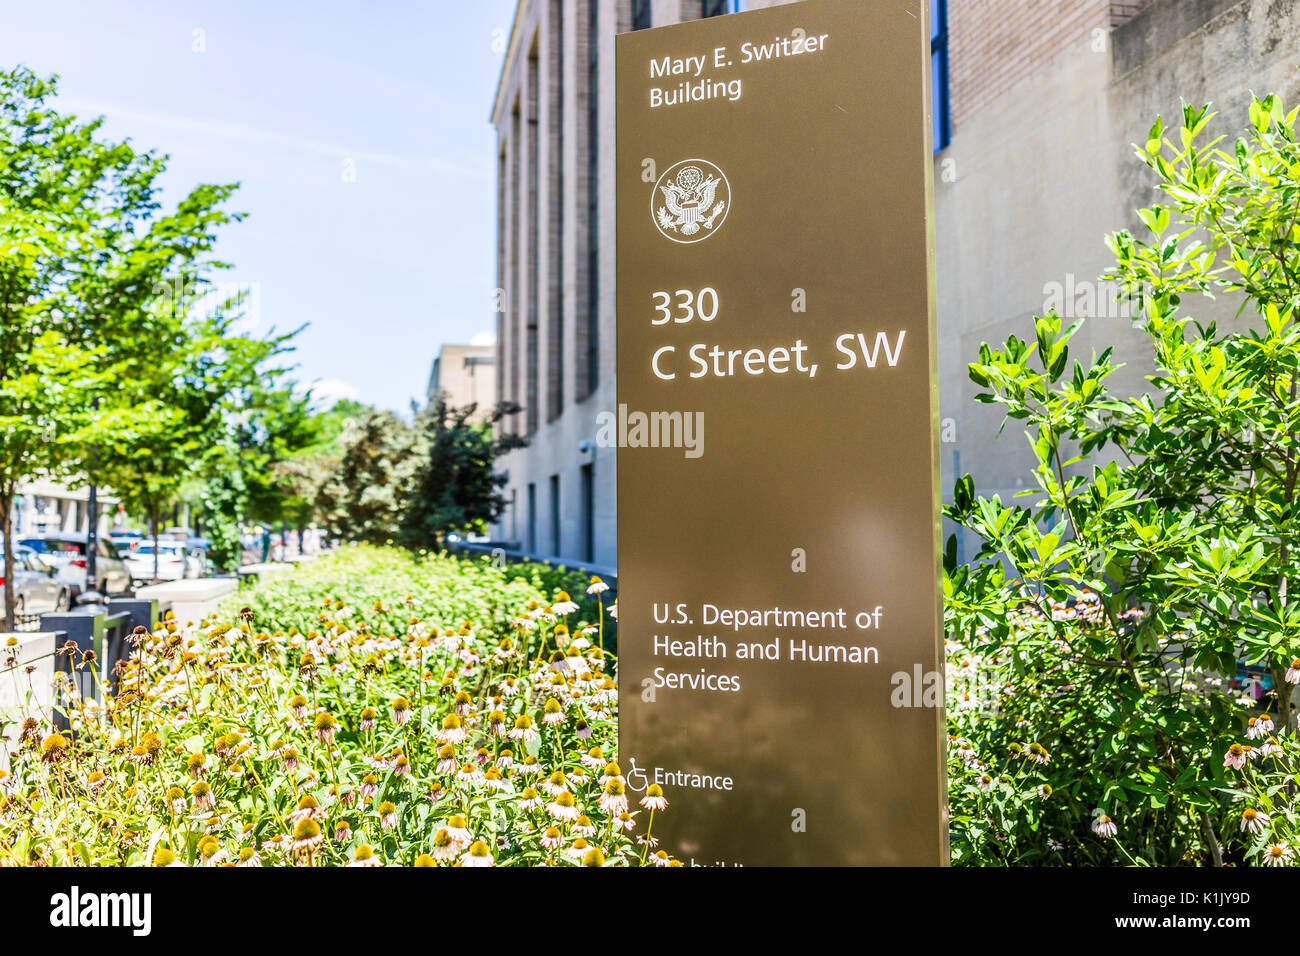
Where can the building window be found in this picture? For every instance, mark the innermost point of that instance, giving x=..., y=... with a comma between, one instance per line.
x=555, y=515
x=589, y=512
x=593, y=196
x=640, y=14
x=939, y=73
x=716, y=8
x=531, y=331
x=555, y=178
x=532, y=518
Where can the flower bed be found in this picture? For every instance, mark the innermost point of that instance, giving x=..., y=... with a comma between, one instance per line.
x=375, y=709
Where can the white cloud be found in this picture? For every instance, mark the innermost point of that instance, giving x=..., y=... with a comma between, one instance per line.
x=327, y=391
x=484, y=338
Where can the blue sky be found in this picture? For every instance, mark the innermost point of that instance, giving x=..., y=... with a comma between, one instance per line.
x=286, y=98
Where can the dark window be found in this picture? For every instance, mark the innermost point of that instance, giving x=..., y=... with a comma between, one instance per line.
x=588, y=513
x=939, y=72
x=593, y=195
x=716, y=8
x=555, y=514
x=530, y=266
x=532, y=518
x=556, y=350
x=640, y=14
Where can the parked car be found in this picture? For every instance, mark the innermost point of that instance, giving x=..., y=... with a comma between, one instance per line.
x=37, y=588
x=67, y=553
x=175, y=561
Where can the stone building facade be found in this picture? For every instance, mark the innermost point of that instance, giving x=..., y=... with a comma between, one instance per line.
x=1036, y=104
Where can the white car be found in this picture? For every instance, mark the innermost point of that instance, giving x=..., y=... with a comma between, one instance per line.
x=173, y=563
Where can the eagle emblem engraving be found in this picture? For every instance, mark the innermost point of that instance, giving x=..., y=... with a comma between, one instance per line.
x=691, y=200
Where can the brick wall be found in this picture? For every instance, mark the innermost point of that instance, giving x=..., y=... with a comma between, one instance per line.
x=994, y=44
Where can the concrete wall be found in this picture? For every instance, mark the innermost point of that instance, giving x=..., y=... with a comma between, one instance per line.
x=22, y=694
x=466, y=375
x=1035, y=179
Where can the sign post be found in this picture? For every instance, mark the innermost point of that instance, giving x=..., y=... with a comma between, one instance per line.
x=779, y=619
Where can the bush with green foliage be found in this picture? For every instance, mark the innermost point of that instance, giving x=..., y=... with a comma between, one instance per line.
x=1099, y=634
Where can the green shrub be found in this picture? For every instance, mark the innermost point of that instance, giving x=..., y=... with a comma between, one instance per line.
x=1105, y=620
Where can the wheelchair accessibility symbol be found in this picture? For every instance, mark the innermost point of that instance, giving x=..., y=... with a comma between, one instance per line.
x=632, y=777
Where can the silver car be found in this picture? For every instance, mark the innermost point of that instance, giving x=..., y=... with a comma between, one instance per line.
x=67, y=553
x=37, y=588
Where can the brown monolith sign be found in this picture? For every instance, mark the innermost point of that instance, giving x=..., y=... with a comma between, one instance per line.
x=779, y=617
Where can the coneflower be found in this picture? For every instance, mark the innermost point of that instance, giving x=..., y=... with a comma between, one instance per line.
x=307, y=835
x=1277, y=854
x=369, y=718
x=164, y=856
x=470, y=774
x=1254, y=821
x=445, y=849
x=1258, y=727
x=307, y=808
x=555, y=784
x=458, y=828
x=477, y=855
x=248, y=856
x=369, y=785
x=325, y=727
x=1235, y=757
x=523, y=729
x=654, y=798
x=202, y=794
x=210, y=851
x=552, y=712
x=564, y=807
x=387, y=815
x=613, y=799
x=401, y=709
x=176, y=799
x=453, y=730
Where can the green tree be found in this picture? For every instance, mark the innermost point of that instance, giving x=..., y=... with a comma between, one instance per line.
x=81, y=244
x=456, y=488
x=1159, y=547
x=180, y=411
x=364, y=500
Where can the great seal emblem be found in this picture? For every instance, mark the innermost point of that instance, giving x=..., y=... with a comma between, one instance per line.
x=691, y=200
